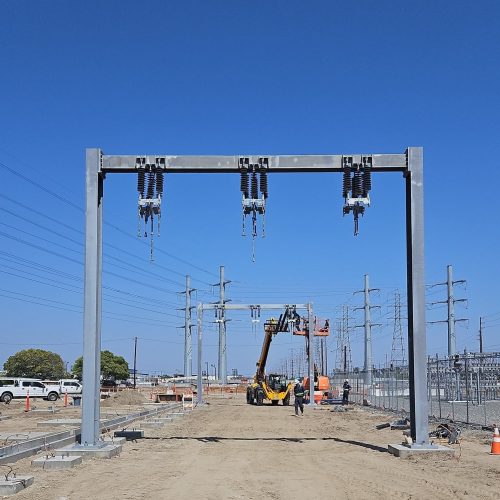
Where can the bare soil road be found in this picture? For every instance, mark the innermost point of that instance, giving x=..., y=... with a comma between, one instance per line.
x=231, y=450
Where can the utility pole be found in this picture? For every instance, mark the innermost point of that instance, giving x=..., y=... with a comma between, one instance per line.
x=188, y=338
x=368, y=363
x=450, y=301
x=135, y=361
x=481, y=335
x=221, y=319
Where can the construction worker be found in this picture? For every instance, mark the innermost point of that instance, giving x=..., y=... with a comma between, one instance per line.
x=345, y=392
x=298, y=392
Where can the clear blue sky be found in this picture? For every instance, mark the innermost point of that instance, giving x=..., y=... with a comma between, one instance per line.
x=226, y=77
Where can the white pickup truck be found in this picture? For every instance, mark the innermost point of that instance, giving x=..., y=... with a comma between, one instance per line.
x=20, y=387
x=63, y=386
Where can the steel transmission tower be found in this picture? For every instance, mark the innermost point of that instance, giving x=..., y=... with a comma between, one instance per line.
x=188, y=326
x=368, y=362
x=221, y=320
x=450, y=301
x=398, y=355
x=343, y=357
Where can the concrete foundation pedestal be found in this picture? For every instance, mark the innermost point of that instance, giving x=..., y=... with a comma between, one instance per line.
x=14, y=485
x=57, y=462
x=115, y=440
x=404, y=451
x=152, y=425
x=107, y=450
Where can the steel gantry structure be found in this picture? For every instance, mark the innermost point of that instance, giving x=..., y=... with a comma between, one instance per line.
x=409, y=163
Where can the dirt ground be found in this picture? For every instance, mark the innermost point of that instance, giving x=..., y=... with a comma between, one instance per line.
x=231, y=450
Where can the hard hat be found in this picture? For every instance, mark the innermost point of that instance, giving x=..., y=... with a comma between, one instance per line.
x=347, y=380
x=296, y=380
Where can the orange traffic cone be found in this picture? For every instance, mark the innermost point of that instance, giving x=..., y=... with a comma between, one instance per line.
x=65, y=399
x=27, y=406
x=495, y=444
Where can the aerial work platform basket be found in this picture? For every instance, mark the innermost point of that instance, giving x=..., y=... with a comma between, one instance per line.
x=321, y=328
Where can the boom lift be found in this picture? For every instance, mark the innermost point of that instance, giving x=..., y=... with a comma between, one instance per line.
x=273, y=387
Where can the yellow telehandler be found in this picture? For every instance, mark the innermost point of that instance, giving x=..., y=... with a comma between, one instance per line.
x=273, y=387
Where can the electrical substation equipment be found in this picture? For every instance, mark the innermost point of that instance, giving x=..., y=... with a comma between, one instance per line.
x=255, y=315
x=252, y=204
x=150, y=194
x=356, y=186
x=219, y=313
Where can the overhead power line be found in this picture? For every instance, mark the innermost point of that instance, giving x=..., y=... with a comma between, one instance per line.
x=81, y=209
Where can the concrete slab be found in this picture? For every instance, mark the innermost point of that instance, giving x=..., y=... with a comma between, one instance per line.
x=116, y=440
x=107, y=451
x=152, y=425
x=45, y=410
x=74, y=422
x=14, y=485
x=57, y=462
x=21, y=436
x=130, y=435
x=5, y=417
x=402, y=451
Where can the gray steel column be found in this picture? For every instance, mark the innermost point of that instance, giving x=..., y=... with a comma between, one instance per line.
x=368, y=335
x=92, y=300
x=452, y=348
x=417, y=355
x=310, y=318
x=199, y=381
x=222, y=331
x=188, y=339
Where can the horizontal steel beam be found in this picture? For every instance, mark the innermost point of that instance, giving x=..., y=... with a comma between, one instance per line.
x=245, y=307
x=229, y=164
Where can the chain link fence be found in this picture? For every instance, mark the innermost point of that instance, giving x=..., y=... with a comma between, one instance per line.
x=464, y=388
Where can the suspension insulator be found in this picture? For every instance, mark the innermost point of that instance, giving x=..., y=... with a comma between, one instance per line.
x=141, y=181
x=159, y=182
x=151, y=184
x=367, y=177
x=357, y=184
x=263, y=181
x=244, y=181
x=255, y=186
x=346, y=181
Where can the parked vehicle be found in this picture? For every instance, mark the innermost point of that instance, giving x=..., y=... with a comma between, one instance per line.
x=19, y=387
x=109, y=383
x=64, y=386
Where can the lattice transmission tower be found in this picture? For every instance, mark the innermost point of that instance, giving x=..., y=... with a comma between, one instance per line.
x=343, y=359
x=398, y=354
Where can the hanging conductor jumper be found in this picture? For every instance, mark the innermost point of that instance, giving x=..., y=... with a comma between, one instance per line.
x=149, y=204
x=355, y=189
x=249, y=186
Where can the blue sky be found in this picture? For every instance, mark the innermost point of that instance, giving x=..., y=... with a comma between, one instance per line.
x=255, y=77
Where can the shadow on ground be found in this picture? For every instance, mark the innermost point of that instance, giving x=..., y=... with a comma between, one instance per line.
x=220, y=439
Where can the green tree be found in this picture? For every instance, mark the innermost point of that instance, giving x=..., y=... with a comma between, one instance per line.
x=35, y=363
x=112, y=366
